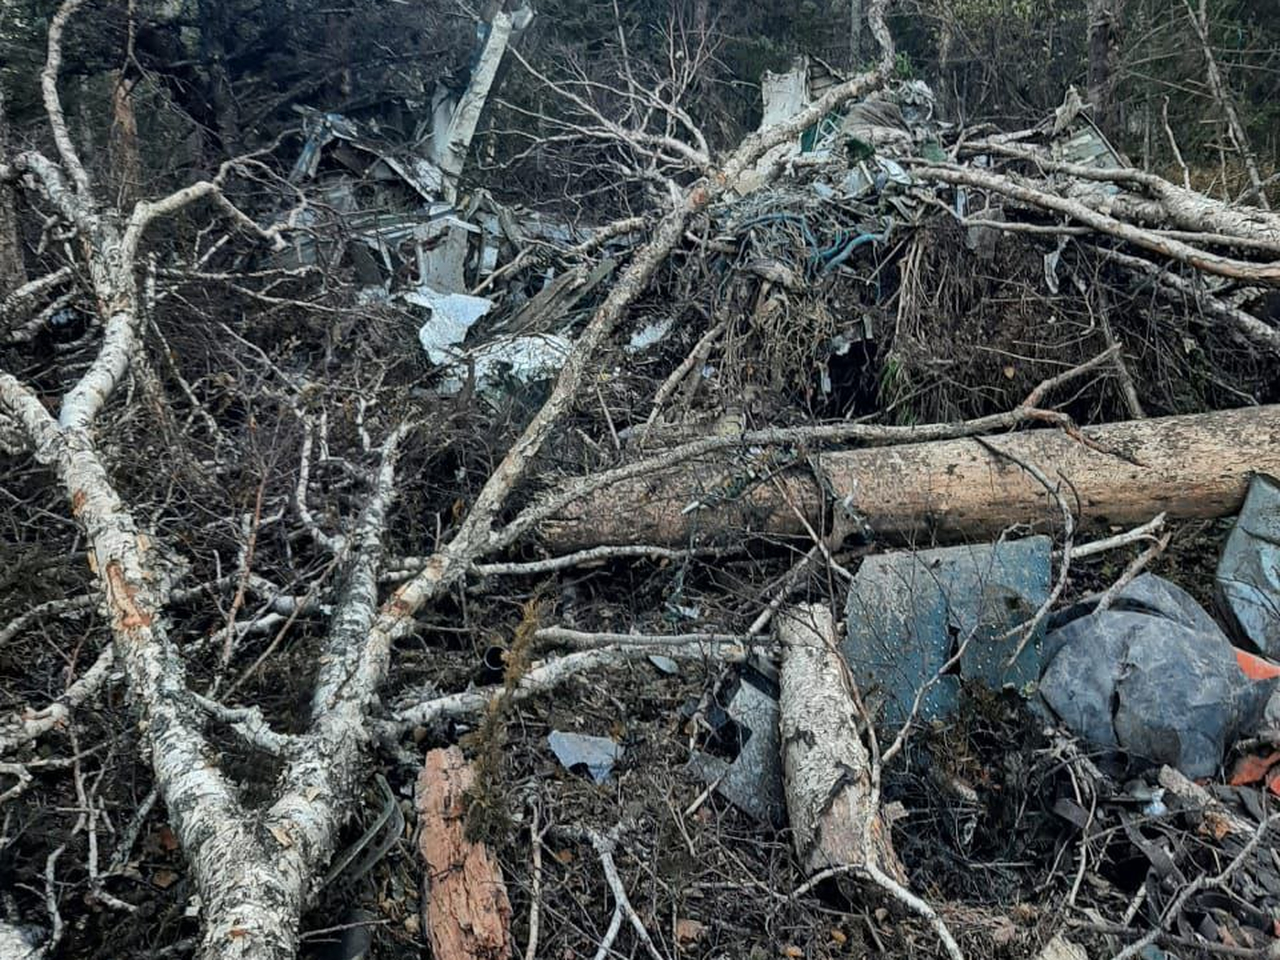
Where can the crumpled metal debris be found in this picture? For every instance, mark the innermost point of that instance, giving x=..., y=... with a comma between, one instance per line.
x=452, y=315
x=874, y=174
x=908, y=613
x=1153, y=676
x=597, y=754
x=1248, y=576
x=749, y=772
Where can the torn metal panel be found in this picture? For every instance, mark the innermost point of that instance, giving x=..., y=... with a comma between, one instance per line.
x=822, y=76
x=442, y=264
x=784, y=94
x=422, y=175
x=1077, y=139
x=385, y=201
x=908, y=613
x=429, y=245
x=1248, y=575
x=751, y=779
x=452, y=315
x=1087, y=147
x=320, y=130
x=363, y=156
x=597, y=754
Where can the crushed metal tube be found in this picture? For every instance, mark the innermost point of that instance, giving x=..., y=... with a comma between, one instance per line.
x=1153, y=676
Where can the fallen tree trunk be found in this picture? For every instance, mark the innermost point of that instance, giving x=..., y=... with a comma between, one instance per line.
x=831, y=800
x=1188, y=466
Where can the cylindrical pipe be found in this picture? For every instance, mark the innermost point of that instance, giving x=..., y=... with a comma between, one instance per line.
x=493, y=664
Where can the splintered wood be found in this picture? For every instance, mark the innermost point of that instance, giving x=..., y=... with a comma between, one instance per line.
x=465, y=911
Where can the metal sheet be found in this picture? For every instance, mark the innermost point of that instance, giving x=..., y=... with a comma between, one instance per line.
x=908, y=613
x=1248, y=575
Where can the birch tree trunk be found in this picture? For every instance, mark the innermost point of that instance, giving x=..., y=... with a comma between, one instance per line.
x=831, y=796
x=126, y=161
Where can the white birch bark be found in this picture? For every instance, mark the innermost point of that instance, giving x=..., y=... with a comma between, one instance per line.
x=831, y=796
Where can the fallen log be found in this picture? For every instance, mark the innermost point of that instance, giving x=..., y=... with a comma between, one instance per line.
x=1187, y=466
x=466, y=914
x=834, y=813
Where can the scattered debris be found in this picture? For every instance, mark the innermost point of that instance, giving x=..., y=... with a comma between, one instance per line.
x=910, y=614
x=1248, y=577
x=1060, y=948
x=664, y=664
x=504, y=364
x=1152, y=676
x=746, y=767
x=596, y=754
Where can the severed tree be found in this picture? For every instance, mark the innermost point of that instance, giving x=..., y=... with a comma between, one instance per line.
x=256, y=863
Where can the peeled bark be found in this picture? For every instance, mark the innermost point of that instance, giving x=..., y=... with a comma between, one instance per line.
x=831, y=800
x=126, y=161
x=465, y=910
x=1188, y=466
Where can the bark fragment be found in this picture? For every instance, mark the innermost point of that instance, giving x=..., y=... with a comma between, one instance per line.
x=465, y=912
